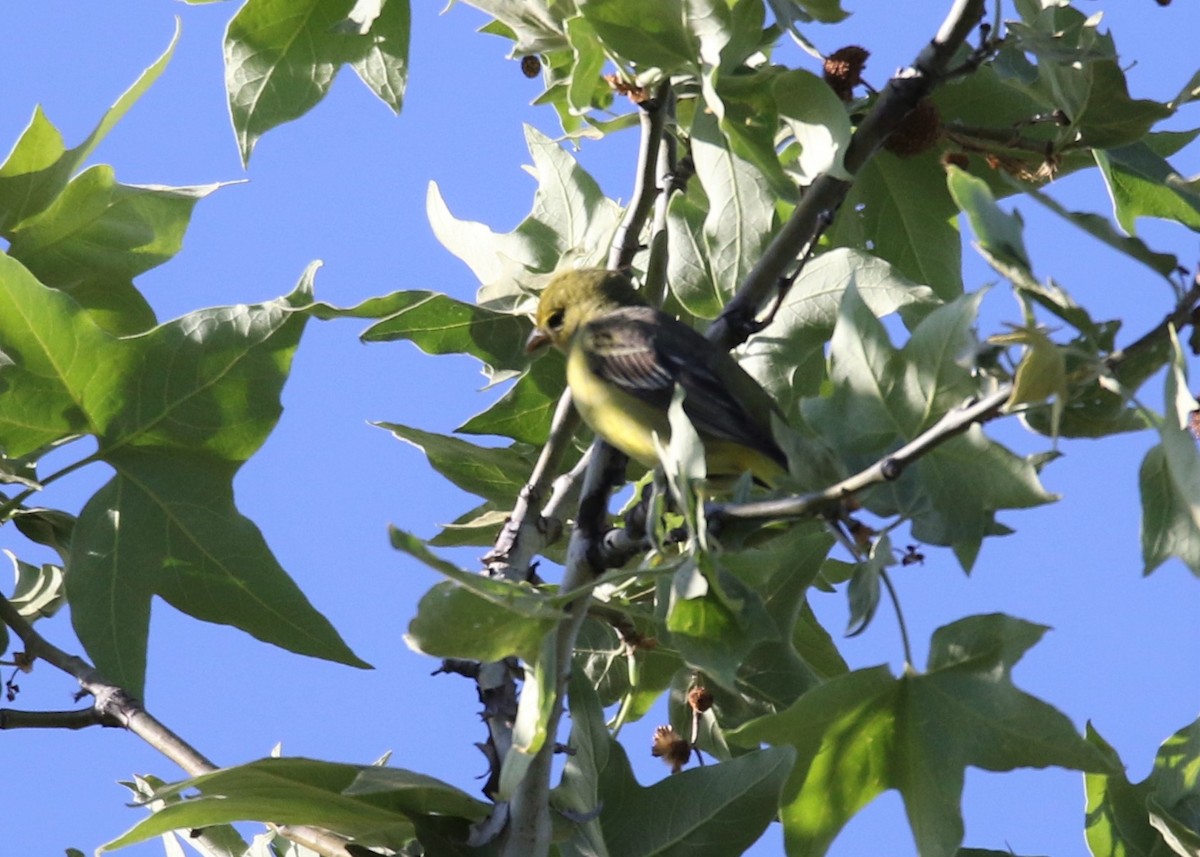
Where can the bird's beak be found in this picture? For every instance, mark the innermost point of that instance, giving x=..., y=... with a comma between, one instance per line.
x=537, y=338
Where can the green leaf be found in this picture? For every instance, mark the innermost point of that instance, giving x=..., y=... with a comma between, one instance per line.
x=476, y=527
x=48, y=392
x=1111, y=118
x=788, y=356
x=968, y=479
x=383, y=65
x=167, y=526
x=882, y=398
x=999, y=233
x=818, y=120
x=688, y=270
x=438, y=324
x=578, y=793
x=38, y=167
x=778, y=670
x=492, y=473
x=281, y=57
x=864, y=590
x=38, y=591
x=714, y=619
x=525, y=412
x=712, y=811
x=741, y=210
x=49, y=527
x=376, y=806
x=535, y=27
x=649, y=35
x=98, y=235
x=1142, y=184
x=185, y=404
x=865, y=732
x=474, y=616
x=586, y=80
x=1155, y=816
x=1170, y=478
x=636, y=679
x=788, y=12
x=513, y=617
x=571, y=220
x=899, y=210
x=749, y=118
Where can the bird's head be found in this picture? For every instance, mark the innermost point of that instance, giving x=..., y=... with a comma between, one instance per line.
x=574, y=297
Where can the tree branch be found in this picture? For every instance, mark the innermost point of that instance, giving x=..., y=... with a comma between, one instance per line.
x=12, y=718
x=886, y=469
x=113, y=706
x=952, y=423
x=825, y=194
x=527, y=833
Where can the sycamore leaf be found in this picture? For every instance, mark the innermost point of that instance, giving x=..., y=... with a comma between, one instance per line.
x=788, y=356
x=535, y=27
x=741, y=210
x=438, y=324
x=39, y=165
x=374, y=805
x=1101, y=228
x=649, y=35
x=280, y=61
x=1170, y=478
x=475, y=616
x=1041, y=374
x=818, y=120
x=175, y=412
x=860, y=734
x=525, y=412
x=711, y=811
x=883, y=397
x=745, y=104
x=383, y=64
x=98, y=235
x=571, y=219
x=899, y=210
x=1142, y=183
x=1160, y=814
x=997, y=232
x=492, y=473
x=586, y=81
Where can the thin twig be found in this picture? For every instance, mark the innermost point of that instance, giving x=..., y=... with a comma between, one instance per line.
x=886, y=469
x=627, y=241
x=113, y=706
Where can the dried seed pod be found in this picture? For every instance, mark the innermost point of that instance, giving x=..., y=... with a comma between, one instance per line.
x=918, y=133
x=700, y=699
x=531, y=65
x=843, y=70
x=669, y=746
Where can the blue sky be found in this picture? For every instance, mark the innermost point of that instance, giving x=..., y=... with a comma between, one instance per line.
x=347, y=185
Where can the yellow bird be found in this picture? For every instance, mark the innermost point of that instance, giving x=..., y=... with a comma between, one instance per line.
x=623, y=361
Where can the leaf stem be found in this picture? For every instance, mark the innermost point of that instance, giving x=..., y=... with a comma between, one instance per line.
x=895, y=598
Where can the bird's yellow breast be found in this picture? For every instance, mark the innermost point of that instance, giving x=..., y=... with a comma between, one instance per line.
x=621, y=419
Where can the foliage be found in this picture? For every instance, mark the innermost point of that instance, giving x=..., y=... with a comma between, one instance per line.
x=176, y=408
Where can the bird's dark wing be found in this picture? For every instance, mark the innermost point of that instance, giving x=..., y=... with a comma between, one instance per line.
x=646, y=352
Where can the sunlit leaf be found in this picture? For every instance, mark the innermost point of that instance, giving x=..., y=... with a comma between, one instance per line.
x=860, y=734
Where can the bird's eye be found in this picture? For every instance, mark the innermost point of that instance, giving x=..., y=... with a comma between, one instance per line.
x=555, y=321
